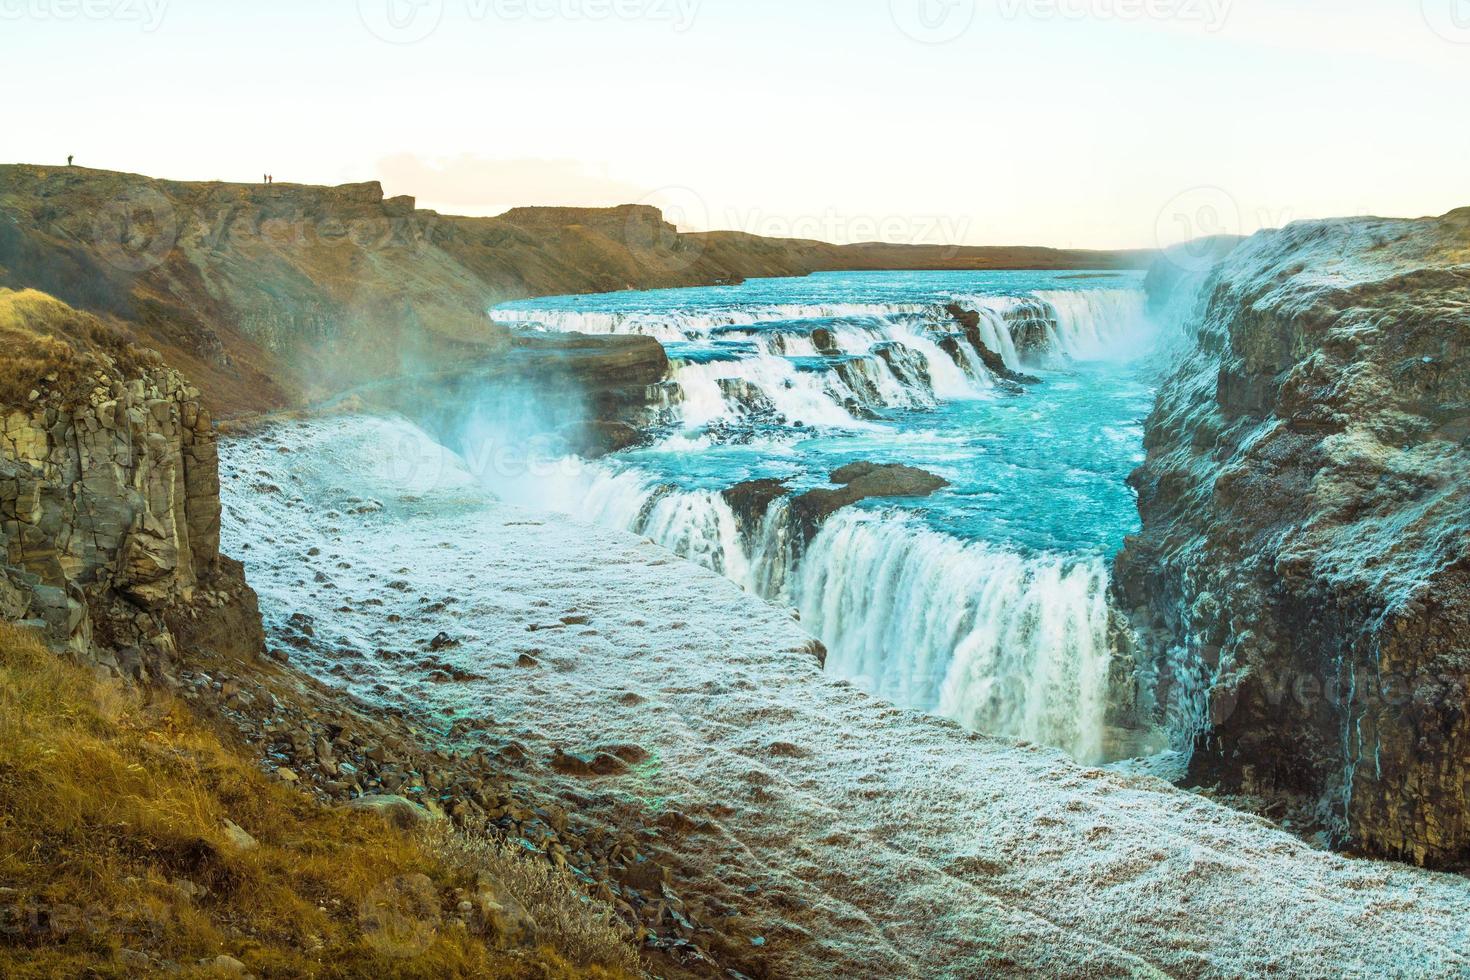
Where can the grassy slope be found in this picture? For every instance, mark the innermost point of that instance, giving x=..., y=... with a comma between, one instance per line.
x=113, y=837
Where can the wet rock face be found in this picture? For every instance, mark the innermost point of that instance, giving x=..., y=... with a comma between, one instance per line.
x=109, y=496
x=1300, y=589
x=857, y=482
x=969, y=322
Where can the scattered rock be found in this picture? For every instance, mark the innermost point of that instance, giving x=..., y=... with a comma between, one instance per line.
x=134, y=960
x=587, y=764
x=236, y=836
x=398, y=811
x=225, y=964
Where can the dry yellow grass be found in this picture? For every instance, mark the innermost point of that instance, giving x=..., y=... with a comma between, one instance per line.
x=42, y=336
x=114, y=842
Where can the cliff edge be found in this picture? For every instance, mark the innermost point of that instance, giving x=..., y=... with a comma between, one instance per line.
x=109, y=497
x=1301, y=585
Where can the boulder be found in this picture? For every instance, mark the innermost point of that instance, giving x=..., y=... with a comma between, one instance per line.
x=857, y=482
x=750, y=500
x=397, y=811
x=597, y=438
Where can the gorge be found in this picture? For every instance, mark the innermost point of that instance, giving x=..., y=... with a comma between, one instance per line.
x=802, y=582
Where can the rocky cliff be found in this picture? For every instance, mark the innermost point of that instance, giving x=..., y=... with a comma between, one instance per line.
x=1301, y=585
x=280, y=295
x=109, y=495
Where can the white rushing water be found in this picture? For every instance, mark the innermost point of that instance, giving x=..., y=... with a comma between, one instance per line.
x=889, y=355
x=1001, y=638
x=862, y=839
x=993, y=640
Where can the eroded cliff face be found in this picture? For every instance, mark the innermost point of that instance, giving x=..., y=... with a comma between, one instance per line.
x=1301, y=586
x=282, y=295
x=109, y=495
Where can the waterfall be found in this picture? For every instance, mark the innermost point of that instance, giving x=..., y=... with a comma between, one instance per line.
x=1009, y=639
x=837, y=364
x=1091, y=324
x=999, y=642
x=1058, y=325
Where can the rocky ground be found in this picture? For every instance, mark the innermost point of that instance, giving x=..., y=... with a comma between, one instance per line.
x=345, y=752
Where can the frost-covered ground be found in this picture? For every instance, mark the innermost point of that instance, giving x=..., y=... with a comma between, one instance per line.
x=870, y=840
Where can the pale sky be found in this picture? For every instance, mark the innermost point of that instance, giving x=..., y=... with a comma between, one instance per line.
x=1086, y=123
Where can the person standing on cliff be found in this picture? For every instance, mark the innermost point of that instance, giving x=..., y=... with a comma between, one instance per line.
x=69, y=159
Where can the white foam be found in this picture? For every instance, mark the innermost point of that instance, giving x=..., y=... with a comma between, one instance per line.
x=912, y=848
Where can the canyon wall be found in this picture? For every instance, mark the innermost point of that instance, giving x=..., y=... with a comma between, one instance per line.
x=109, y=496
x=1300, y=589
x=282, y=295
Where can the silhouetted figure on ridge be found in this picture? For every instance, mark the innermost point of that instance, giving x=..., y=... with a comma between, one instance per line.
x=69, y=159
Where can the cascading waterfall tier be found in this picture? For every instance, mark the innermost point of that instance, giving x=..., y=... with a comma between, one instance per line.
x=839, y=364
x=998, y=641
x=986, y=603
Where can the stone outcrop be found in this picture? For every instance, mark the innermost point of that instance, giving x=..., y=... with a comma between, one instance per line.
x=857, y=482
x=109, y=495
x=1300, y=589
x=969, y=322
x=749, y=502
